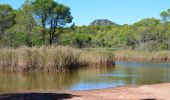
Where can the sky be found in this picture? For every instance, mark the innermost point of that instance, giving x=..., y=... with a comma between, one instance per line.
x=118, y=11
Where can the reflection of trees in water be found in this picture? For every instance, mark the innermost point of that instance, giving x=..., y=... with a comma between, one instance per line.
x=51, y=80
x=153, y=75
x=92, y=74
x=95, y=70
x=144, y=75
x=37, y=81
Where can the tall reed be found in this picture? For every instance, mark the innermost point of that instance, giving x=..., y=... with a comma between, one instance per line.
x=39, y=58
x=51, y=58
x=96, y=57
x=142, y=55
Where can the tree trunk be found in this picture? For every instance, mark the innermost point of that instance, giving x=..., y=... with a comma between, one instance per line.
x=50, y=41
x=43, y=32
x=51, y=36
x=52, y=31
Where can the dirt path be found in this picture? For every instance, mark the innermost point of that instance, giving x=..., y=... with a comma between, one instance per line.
x=146, y=92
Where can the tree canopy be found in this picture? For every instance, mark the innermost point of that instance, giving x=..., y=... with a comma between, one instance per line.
x=44, y=22
x=6, y=18
x=51, y=15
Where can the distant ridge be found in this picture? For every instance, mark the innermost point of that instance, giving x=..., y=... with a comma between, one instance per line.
x=102, y=22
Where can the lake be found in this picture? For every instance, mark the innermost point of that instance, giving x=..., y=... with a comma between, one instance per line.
x=120, y=74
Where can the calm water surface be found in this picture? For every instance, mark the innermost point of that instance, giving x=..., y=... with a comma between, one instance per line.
x=123, y=73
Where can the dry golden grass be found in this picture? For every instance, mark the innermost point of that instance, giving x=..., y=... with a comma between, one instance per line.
x=56, y=58
x=39, y=58
x=96, y=57
x=50, y=58
x=142, y=55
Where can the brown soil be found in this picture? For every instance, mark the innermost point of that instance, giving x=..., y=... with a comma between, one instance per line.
x=146, y=92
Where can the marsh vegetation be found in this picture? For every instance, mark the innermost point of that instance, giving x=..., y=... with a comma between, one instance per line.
x=136, y=55
x=50, y=58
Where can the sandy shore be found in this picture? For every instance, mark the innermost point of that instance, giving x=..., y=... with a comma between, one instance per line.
x=145, y=92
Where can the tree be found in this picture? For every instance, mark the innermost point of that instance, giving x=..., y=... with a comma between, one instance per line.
x=6, y=18
x=165, y=19
x=26, y=16
x=147, y=22
x=165, y=15
x=51, y=16
x=20, y=33
x=23, y=32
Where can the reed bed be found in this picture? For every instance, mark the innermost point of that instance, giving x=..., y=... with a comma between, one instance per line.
x=56, y=58
x=51, y=58
x=38, y=58
x=101, y=57
x=142, y=55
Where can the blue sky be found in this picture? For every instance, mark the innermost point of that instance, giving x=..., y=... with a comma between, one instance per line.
x=118, y=11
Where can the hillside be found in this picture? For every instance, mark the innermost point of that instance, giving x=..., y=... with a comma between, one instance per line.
x=103, y=22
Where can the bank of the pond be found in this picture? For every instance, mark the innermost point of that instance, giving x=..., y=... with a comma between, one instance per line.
x=50, y=58
x=61, y=58
x=145, y=92
x=127, y=55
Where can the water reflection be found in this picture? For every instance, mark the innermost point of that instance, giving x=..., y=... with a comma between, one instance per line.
x=123, y=73
x=146, y=72
x=36, y=81
x=48, y=81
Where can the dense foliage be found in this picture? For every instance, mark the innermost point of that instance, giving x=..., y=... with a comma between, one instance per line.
x=43, y=22
x=147, y=34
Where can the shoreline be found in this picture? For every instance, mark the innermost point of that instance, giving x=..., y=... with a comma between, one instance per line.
x=141, y=59
x=144, y=92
